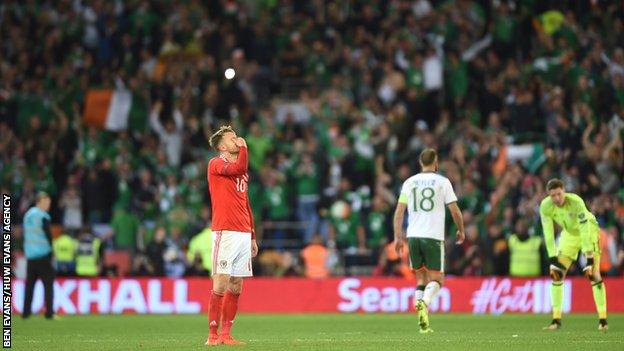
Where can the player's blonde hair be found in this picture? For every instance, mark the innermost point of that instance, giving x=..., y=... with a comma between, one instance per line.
x=215, y=139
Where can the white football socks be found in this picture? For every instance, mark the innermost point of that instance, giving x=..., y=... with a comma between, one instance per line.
x=420, y=291
x=431, y=291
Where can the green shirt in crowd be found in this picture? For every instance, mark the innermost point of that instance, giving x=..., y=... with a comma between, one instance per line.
x=346, y=230
x=125, y=227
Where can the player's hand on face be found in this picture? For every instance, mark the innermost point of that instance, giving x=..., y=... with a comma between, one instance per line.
x=240, y=142
x=254, y=248
x=460, y=237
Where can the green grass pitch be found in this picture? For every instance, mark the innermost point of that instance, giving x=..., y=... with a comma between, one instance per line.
x=319, y=332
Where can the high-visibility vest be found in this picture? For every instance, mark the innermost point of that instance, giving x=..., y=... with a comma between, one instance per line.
x=315, y=258
x=64, y=248
x=36, y=244
x=524, y=256
x=201, y=244
x=88, y=257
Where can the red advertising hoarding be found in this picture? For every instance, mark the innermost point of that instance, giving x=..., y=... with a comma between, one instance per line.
x=492, y=295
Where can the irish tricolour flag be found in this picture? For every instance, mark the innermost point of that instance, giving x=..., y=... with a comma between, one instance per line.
x=108, y=109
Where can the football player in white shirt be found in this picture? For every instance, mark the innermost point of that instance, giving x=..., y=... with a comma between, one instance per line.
x=425, y=196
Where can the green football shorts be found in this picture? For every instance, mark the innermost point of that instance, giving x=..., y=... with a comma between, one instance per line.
x=426, y=253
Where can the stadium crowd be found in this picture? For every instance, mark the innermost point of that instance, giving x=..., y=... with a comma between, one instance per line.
x=335, y=99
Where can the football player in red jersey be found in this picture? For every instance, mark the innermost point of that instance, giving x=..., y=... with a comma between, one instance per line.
x=233, y=230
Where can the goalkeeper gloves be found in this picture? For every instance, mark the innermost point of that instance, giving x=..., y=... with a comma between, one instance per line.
x=556, y=269
x=588, y=271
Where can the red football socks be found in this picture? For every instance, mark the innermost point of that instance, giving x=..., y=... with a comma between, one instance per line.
x=230, y=306
x=214, y=312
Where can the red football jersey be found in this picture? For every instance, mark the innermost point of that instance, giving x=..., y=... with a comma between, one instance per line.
x=227, y=183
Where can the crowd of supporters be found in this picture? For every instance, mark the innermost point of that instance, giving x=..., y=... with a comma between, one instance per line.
x=335, y=99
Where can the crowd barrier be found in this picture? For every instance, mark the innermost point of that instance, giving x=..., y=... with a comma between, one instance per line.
x=489, y=295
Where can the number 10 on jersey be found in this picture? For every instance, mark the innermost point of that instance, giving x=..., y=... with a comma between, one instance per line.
x=241, y=184
x=426, y=199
